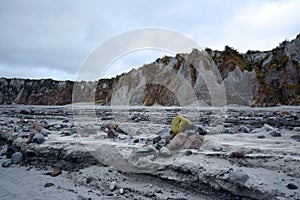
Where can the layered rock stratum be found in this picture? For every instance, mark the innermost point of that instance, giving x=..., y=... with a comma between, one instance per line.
x=209, y=77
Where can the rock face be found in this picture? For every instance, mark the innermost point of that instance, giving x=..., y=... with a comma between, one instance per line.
x=207, y=77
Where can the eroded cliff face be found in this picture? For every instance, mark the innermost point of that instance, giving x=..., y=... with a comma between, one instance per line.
x=207, y=77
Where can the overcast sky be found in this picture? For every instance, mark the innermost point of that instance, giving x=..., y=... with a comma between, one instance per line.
x=51, y=39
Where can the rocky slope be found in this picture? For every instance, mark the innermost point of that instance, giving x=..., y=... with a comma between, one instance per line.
x=207, y=77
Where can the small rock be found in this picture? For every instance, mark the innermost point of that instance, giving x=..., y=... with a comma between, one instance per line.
x=25, y=112
x=201, y=130
x=261, y=136
x=49, y=185
x=89, y=180
x=6, y=163
x=275, y=133
x=296, y=137
x=136, y=140
x=10, y=151
x=194, y=142
x=56, y=173
x=111, y=126
x=66, y=133
x=37, y=126
x=156, y=139
x=244, y=129
x=16, y=158
x=121, y=129
x=188, y=153
x=167, y=136
x=146, y=151
x=121, y=191
x=112, y=186
x=292, y=186
x=239, y=153
x=38, y=138
x=228, y=131
x=238, y=177
x=217, y=148
x=65, y=121
x=111, y=134
x=178, y=140
x=165, y=152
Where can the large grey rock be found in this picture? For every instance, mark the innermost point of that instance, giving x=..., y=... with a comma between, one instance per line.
x=16, y=158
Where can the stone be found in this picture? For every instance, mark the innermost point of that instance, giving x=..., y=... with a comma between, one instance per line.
x=201, y=130
x=88, y=180
x=6, y=163
x=111, y=126
x=167, y=136
x=112, y=186
x=10, y=151
x=136, y=140
x=112, y=134
x=121, y=191
x=38, y=138
x=178, y=140
x=239, y=153
x=188, y=153
x=181, y=124
x=238, y=177
x=275, y=133
x=217, y=148
x=165, y=152
x=156, y=139
x=292, y=186
x=228, y=131
x=56, y=173
x=296, y=137
x=121, y=129
x=25, y=111
x=244, y=129
x=37, y=126
x=16, y=158
x=145, y=151
x=49, y=185
x=194, y=142
x=261, y=136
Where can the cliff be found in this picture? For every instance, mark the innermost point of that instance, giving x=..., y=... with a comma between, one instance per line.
x=207, y=77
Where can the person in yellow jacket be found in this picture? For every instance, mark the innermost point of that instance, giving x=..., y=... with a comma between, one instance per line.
x=181, y=124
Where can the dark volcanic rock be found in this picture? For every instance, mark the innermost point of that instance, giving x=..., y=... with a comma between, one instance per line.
x=292, y=186
x=296, y=137
x=38, y=138
x=49, y=185
x=6, y=163
x=16, y=158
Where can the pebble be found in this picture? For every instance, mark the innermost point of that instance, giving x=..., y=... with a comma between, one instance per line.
x=112, y=186
x=292, y=186
x=261, y=136
x=228, y=131
x=38, y=138
x=56, y=173
x=6, y=163
x=188, y=153
x=296, y=137
x=49, y=185
x=217, y=148
x=25, y=112
x=111, y=134
x=244, y=129
x=165, y=152
x=201, y=130
x=16, y=158
x=121, y=191
x=239, y=177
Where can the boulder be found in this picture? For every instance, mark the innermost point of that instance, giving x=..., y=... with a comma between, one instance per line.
x=165, y=152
